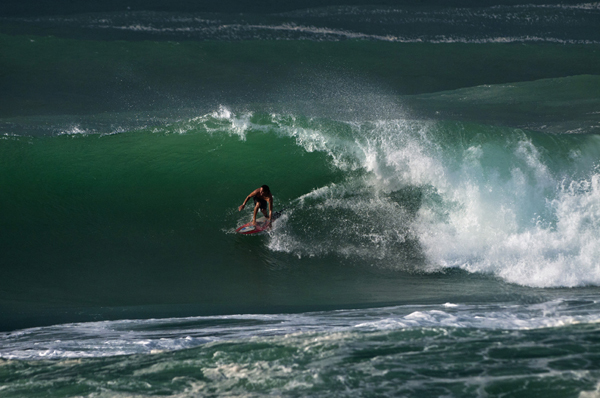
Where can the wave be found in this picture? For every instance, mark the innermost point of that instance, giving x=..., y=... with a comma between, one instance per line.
x=519, y=205
x=291, y=31
x=566, y=105
x=435, y=24
x=406, y=194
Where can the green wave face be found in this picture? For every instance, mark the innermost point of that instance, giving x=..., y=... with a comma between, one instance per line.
x=147, y=216
x=140, y=217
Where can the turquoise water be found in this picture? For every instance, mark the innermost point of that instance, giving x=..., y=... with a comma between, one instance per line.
x=437, y=168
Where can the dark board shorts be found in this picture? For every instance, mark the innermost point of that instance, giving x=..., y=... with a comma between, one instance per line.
x=263, y=203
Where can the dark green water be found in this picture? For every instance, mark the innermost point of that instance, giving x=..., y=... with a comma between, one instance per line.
x=50, y=75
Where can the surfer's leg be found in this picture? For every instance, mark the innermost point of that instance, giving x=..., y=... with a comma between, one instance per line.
x=263, y=208
x=256, y=206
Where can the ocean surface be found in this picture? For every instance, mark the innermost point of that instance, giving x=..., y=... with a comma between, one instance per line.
x=437, y=164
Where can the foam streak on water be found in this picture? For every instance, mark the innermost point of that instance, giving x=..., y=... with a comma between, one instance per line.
x=453, y=349
x=126, y=337
x=526, y=23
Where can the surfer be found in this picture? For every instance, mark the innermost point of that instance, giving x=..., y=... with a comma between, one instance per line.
x=261, y=196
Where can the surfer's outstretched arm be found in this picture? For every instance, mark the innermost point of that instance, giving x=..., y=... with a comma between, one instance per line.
x=244, y=204
x=253, y=193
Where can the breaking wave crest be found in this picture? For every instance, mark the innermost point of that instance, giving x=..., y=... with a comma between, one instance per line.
x=520, y=205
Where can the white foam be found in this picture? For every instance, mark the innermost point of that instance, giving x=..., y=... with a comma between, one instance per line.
x=591, y=394
x=236, y=30
x=74, y=130
x=500, y=208
x=532, y=229
x=223, y=120
x=152, y=336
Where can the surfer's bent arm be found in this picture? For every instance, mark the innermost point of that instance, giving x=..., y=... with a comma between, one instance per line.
x=253, y=193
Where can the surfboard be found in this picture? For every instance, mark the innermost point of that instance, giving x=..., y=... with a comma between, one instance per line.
x=262, y=224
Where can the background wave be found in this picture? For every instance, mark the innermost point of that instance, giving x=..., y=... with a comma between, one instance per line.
x=406, y=22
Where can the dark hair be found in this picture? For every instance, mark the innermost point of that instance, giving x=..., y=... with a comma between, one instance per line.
x=266, y=188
